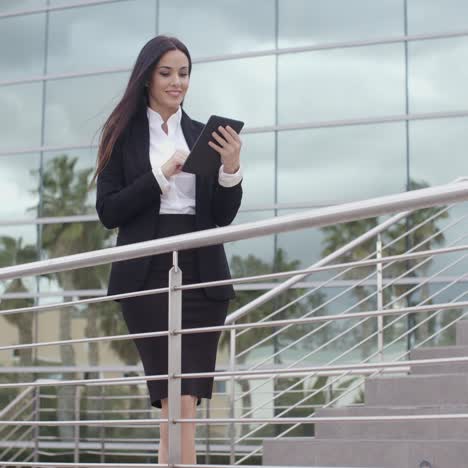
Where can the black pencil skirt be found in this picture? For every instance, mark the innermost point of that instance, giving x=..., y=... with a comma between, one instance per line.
x=150, y=313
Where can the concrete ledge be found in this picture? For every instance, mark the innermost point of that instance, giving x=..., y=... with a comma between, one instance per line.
x=423, y=430
x=362, y=453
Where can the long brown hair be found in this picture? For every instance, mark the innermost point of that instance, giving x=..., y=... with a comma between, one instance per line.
x=135, y=95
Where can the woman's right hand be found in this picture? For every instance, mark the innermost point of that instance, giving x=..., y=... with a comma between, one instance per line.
x=175, y=163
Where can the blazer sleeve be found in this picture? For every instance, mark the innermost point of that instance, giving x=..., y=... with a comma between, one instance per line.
x=225, y=202
x=116, y=203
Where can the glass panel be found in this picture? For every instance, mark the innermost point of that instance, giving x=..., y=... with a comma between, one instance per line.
x=324, y=166
x=448, y=229
x=19, y=179
x=9, y=336
x=302, y=22
x=235, y=27
x=260, y=247
x=99, y=36
x=342, y=83
x=258, y=165
x=26, y=232
x=434, y=16
x=22, y=46
x=305, y=247
x=18, y=245
x=69, y=238
x=302, y=246
x=18, y=5
x=444, y=293
x=438, y=150
x=20, y=119
x=437, y=75
x=229, y=92
x=438, y=157
x=80, y=237
x=70, y=164
x=56, y=3
x=77, y=108
x=54, y=325
x=77, y=322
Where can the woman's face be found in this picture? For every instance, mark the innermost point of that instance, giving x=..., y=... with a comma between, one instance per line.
x=169, y=81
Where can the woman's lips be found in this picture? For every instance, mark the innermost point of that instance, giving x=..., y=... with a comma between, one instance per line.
x=174, y=93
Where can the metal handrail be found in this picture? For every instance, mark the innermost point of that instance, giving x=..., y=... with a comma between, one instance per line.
x=306, y=272
x=14, y=444
x=302, y=296
x=316, y=391
x=14, y=402
x=333, y=298
x=276, y=291
x=403, y=355
x=6, y=437
x=363, y=262
x=312, y=332
x=351, y=211
x=275, y=420
x=359, y=344
x=352, y=387
x=415, y=199
x=328, y=383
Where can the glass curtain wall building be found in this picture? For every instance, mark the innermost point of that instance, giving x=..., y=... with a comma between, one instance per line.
x=343, y=100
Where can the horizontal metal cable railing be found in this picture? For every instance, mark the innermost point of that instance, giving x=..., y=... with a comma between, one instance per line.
x=328, y=384
x=325, y=387
x=23, y=407
x=407, y=202
x=307, y=314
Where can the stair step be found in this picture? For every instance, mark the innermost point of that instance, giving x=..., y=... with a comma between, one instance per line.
x=417, y=389
x=389, y=453
x=425, y=430
x=461, y=333
x=439, y=352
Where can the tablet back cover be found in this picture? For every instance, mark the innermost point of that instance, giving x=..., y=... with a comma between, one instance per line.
x=203, y=159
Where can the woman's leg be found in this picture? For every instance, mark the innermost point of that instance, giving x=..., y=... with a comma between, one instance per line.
x=188, y=410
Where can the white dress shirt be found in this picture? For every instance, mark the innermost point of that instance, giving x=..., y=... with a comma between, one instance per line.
x=178, y=192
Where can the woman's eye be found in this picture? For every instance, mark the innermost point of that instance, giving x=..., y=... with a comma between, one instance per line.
x=167, y=74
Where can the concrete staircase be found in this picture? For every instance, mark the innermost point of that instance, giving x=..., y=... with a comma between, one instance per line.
x=428, y=389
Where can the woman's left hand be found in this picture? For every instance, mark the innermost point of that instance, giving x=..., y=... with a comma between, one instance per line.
x=229, y=148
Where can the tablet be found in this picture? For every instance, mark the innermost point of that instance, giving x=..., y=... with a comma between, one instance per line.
x=203, y=159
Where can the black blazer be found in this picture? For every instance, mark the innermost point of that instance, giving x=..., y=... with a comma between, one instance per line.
x=128, y=197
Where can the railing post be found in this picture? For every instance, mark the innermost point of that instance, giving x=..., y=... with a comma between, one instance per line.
x=232, y=367
x=329, y=393
x=76, y=452
x=380, y=325
x=37, y=417
x=174, y=363
x=102, y=429
x=208, y=435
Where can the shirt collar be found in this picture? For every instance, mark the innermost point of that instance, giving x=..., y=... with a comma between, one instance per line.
x=155, y=119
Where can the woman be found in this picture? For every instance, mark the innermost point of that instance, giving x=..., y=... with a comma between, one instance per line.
x=142, y=190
